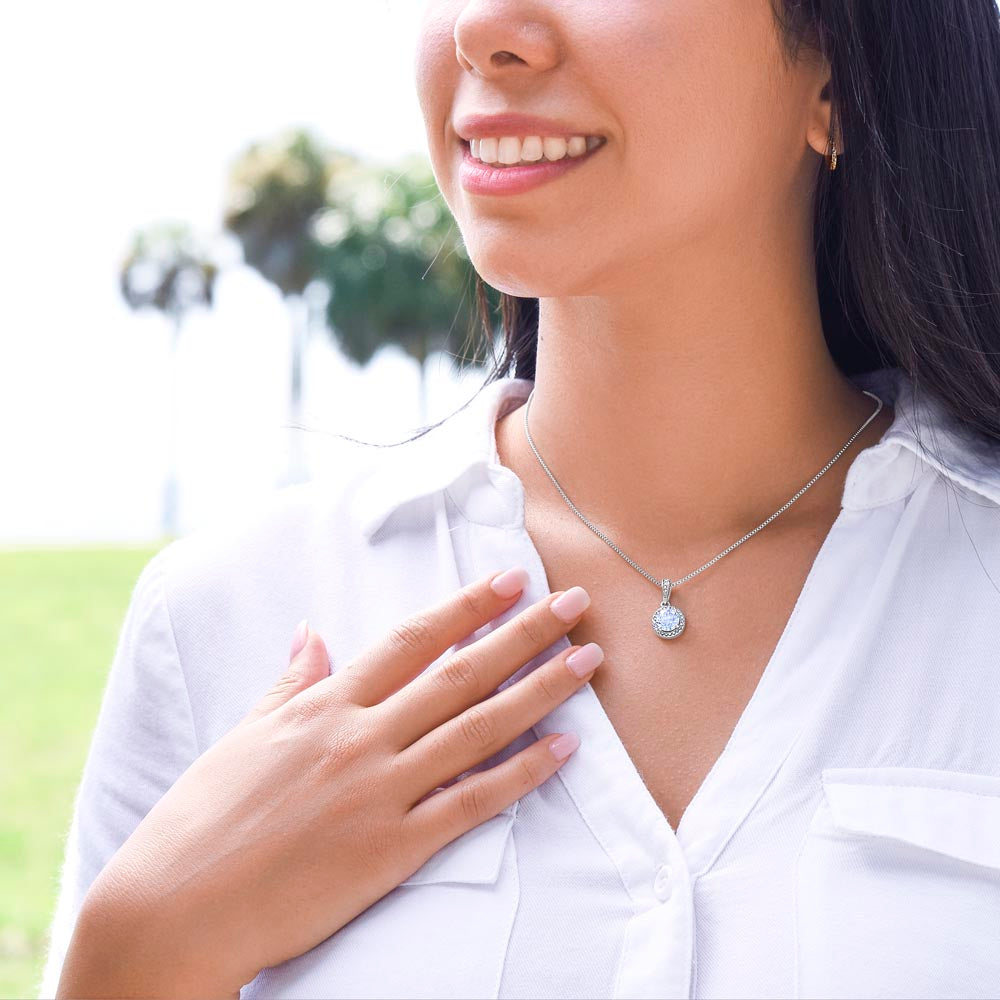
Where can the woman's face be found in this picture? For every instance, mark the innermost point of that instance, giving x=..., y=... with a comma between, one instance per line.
x=707, y=130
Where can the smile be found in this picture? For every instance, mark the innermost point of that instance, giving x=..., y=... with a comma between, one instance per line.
x=527, y=164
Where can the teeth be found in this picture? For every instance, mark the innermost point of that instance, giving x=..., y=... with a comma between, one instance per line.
x=508, y=151
x=532, y=149
x=488, y=150
x=555, y=149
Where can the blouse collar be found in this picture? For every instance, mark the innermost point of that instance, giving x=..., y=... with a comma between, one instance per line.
x=460, y=455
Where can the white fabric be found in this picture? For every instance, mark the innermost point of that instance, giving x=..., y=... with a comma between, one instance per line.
x=844, y=844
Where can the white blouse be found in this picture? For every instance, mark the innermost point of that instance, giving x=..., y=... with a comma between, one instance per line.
x=846, y=843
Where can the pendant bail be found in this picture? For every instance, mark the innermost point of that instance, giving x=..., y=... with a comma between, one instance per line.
x=667, y=586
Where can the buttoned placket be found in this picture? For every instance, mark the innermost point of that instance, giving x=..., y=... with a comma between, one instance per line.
x=658, y=865
x=657, y=955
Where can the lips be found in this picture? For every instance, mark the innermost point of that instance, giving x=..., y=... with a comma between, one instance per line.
x=481, y=178
x=481, y=126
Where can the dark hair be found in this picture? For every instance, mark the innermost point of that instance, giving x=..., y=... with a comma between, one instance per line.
x=907, y=228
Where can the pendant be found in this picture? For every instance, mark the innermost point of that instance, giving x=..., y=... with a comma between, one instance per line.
x=668, y=621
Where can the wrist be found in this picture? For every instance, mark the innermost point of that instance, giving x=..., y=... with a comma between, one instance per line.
x=113, y=954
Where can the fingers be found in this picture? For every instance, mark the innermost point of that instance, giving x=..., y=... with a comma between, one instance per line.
x=420, y=639
x=455, y=810
x=310, y=663
x=484, y=729
x=471, y=673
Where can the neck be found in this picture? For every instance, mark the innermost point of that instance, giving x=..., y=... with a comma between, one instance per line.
x=690, y=415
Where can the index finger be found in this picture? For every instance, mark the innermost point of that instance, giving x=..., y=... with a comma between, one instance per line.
x=413, y=644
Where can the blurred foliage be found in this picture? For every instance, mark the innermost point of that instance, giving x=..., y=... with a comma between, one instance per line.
x=169, y=268
x=393, y=259
x=381, y=240
x=276, y=188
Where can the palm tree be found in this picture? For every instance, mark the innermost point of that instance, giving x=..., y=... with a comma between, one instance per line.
x=171, y=269
x=397, y=270
x=276, y=188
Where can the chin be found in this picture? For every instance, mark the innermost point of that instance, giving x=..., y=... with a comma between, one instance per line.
x=525, y=286
x=524, y=272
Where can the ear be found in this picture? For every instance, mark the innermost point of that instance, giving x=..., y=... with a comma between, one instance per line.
x=821, y=114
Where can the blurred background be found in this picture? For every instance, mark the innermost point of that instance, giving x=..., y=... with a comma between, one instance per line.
x=221, y=239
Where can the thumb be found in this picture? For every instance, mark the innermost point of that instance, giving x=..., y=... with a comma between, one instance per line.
x=309, y=663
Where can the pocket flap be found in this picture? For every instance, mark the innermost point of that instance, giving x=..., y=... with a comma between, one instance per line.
x=474, y=856
x=952, y=812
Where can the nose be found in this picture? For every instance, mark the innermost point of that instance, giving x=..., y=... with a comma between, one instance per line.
x=494, y=37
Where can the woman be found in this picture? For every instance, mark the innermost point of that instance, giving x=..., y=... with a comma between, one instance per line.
x=758, y=467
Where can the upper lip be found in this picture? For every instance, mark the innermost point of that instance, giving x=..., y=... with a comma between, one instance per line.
x=477, y=126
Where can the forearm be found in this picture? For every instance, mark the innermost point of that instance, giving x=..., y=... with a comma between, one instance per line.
x=118, y=955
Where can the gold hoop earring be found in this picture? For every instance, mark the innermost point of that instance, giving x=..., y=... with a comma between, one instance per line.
x=832, y=156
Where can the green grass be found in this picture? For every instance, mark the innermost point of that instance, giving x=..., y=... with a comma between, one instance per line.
x=60, y=615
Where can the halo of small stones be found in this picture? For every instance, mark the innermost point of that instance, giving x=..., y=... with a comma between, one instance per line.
x=671, y=633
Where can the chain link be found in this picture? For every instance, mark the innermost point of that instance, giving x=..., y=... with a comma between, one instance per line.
x=660, y=582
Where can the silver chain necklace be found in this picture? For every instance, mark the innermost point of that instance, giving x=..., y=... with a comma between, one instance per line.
x=668, y=619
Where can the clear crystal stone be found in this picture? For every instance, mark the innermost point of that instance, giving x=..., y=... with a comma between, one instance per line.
x=667, y=618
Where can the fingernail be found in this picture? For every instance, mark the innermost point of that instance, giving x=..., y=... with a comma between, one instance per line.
x=566, y=607
x=583, y=660
x=299, y=639
x=562, y=746
x=510, y=582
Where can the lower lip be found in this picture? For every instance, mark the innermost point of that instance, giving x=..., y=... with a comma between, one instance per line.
x=481, y=178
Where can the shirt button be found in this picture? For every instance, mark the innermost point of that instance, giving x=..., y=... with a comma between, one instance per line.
x=661, y=883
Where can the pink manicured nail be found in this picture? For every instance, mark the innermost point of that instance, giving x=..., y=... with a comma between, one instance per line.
x=569, y=606
x=510, y=582
x=299, y=639
x=564, y=745
x=583, y=660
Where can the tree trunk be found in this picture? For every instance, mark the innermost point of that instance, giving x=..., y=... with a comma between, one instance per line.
x=171, y=491
x=296, y=471
x=421, y=355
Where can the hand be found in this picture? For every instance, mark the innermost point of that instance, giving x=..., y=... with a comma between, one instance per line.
x=324, y=798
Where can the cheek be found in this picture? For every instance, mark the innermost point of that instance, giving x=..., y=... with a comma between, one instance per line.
x=702, y=86
x=436, y=72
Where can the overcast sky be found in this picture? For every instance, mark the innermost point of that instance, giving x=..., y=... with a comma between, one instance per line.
x=122, y=114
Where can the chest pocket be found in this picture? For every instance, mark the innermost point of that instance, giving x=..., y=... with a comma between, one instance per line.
x=442, y=933
x=897, y=886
